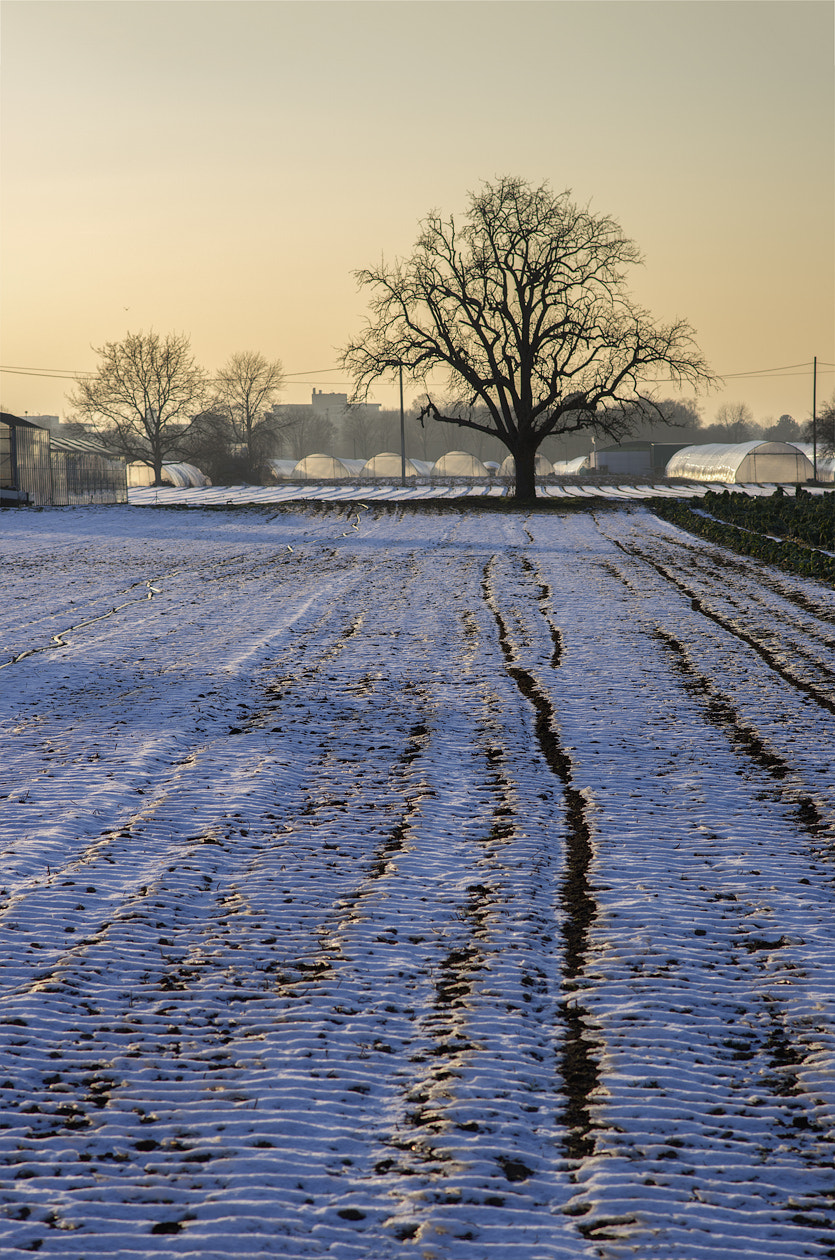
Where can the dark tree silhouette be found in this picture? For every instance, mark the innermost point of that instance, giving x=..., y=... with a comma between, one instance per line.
x=144, y=396
x=246, y=388
x=823, y=430
x=525, y=309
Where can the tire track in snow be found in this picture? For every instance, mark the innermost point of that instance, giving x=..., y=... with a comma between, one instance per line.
x=578, y=1065
x=824, y=698
x=721, y=712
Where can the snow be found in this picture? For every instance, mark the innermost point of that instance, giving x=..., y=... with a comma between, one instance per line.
x=292, y=811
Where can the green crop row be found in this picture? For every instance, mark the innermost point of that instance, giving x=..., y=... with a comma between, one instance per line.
x=747, y=535
x=801, y=517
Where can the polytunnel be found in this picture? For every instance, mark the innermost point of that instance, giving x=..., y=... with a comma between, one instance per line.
x=180, y=475
x=328, y=468
x=388, y=464
x=542, y=466
x=282, y=469
x=571, y=467
x=458, y=464
x=825, y=463
x=741, y=463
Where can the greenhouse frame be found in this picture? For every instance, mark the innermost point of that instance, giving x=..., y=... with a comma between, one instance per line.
x=47, y=470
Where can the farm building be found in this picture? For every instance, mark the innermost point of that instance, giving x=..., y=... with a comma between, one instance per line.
x=542, y=468
x=458, y=464
x=47, y=470
x=173, y=474
x=741, y=462
x=633, y=459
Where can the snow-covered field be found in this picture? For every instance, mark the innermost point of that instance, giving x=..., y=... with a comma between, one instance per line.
x=387, y=884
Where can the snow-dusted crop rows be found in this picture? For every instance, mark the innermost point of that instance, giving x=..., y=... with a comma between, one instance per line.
x=385, y=884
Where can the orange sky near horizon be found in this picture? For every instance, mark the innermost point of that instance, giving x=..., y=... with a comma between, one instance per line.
x=221, y=168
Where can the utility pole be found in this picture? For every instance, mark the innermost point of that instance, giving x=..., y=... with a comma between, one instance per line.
x=402, y=433
x=814, y=418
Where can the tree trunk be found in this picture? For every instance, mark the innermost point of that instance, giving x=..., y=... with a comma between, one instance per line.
x=525, y=458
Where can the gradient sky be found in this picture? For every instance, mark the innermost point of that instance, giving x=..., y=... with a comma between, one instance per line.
x=222, y=168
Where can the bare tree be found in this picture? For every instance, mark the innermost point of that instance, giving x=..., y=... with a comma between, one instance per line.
x=737, y=419
x=525, y=310
x=309, y=434
x=246, y=389
x=144, y=396
x=823, y=430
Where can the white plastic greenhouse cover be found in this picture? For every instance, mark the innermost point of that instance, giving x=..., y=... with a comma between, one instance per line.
x=282, y=468
x=570, y=467
x=741, y=462
x=327, y=468
x=458, y=464
x=388, y=464
x=543, y=466
x=826, y=465
x=181, y=475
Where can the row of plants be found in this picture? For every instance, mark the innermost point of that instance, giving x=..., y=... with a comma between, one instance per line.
x=804, y=523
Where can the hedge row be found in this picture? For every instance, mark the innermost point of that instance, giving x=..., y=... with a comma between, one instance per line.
x=775, y=517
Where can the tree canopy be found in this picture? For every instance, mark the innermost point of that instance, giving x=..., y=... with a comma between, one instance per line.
x=144, y=395
x=246, y=389
x=524, y=310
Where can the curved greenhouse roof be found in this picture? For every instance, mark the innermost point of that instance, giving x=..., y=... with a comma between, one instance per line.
x=741, y=462
x=458, y=464
x=389, y=464
x=542, y=468
x=180, y=475
x=570, y=467
x=825, y=463
x=282, y=468
x=328, y=468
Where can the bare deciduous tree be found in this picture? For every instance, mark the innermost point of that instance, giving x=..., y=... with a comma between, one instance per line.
x=737, y=419
x=144, y=396
x=822, y=431
x=525, y=310
x=246, y=388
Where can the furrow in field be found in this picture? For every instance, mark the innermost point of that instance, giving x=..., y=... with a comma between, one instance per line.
x=706, y=978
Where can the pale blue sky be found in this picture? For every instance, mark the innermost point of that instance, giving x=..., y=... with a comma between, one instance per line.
x=221, y=168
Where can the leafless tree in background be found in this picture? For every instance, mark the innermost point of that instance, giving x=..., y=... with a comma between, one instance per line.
x=824, y=430
x=245, y=392
x=526, y=311
x=144, y=396
x=737, y=420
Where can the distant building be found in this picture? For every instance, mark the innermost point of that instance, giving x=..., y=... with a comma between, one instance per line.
x=336, y=406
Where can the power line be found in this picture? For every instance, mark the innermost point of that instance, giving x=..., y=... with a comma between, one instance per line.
x=789, y=369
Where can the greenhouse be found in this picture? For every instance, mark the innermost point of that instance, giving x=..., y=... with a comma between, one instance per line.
x=741, y=463
x=572, y=467
x=282, y=469
x=543, y=466
x=388, y=464
x=181, y=475
x=25, y=465
x=328, y=468
x=50, y=470
x=825, y=463
x=84, y=472
x=459, y=464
